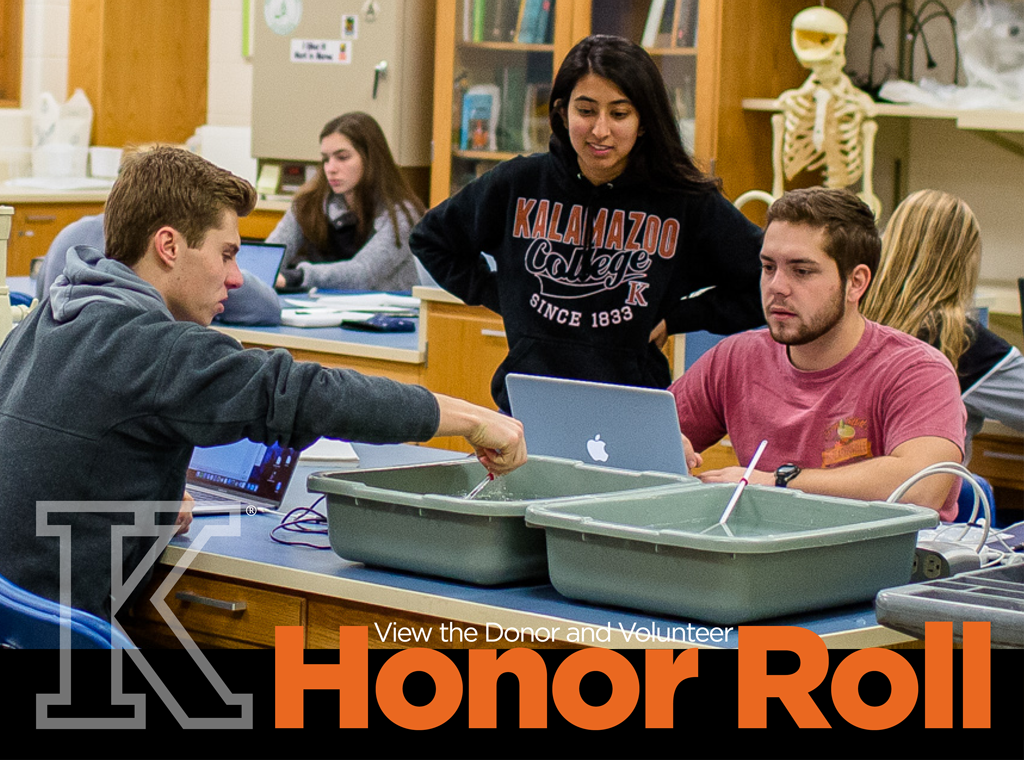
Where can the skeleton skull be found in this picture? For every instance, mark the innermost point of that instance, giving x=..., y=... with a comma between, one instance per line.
x=819, y=38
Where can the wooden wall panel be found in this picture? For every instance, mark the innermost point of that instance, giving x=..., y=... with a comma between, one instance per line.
x=143, y=65
x=10, y=53
x=754, y=60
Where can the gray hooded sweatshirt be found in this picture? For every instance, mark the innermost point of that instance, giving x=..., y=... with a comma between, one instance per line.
x=103, y=396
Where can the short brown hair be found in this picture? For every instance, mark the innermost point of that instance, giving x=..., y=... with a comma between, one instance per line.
x=168, y=186
x=851, y=235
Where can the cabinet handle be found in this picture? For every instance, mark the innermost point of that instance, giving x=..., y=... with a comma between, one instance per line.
x=493, y=333
x=1003, y=455
x=220, y=604
x=380, y=71
x=40, y=218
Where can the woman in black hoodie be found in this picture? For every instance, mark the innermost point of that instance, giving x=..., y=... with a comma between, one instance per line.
x=604, y=244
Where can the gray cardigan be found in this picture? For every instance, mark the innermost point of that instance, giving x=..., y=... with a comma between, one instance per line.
x=379, y=264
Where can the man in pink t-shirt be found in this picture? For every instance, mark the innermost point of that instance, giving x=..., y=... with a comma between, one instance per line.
x=849, y=407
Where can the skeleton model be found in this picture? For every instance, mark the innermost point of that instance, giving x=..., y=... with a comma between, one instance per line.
x=826, y=123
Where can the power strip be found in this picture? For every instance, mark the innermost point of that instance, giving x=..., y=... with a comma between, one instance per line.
x=942, y=559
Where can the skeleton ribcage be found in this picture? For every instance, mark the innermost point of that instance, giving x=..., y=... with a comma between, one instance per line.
x=823, y=133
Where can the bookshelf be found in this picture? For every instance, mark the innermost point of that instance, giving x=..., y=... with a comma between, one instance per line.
x=488, y=51
x=737, y=49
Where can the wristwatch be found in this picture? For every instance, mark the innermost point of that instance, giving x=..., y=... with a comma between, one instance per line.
x=784, y=474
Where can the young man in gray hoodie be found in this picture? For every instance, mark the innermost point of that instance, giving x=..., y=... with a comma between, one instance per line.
x=105, y=391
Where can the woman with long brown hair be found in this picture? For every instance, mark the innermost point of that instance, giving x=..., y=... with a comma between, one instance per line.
x=931, y=254
x=348, y=227
x=608, y=241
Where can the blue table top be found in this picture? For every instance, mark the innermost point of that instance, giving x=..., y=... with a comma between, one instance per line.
x=408, y=341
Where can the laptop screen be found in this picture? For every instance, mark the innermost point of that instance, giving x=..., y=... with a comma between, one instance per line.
x=618, y=426
x=261, y=260
x=245, y=469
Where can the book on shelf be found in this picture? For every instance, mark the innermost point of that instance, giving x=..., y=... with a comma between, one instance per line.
x=670, y=23
x=686, y=29
x=513, y=104
x=654, y=16
x=536, y=127
x=481, y=108
x=666, y=27
x=534, y=24
x=477, y=9
x=490, y=20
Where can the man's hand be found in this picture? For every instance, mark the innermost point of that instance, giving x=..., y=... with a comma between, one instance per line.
x=693, y=459
x=496, y=438
x=185, y=514
x=871, y=479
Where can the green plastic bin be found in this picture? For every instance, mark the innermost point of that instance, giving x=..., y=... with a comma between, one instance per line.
x=417, y=518
x=790, y=551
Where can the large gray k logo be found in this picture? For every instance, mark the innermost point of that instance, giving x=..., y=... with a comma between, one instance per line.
x=144, y=525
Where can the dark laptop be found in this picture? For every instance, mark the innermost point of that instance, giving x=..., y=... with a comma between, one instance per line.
x=261, y=260
x=237, y=476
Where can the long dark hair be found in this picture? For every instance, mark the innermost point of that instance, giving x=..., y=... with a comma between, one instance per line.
x=658, y=156
x=382, y=184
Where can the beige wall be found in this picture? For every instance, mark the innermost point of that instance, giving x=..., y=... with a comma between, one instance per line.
x=44, y=50
x=229, y=88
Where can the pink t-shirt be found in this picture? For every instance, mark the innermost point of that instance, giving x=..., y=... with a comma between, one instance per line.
x=891, y=388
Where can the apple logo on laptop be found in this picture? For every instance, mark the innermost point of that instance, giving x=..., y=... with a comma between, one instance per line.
x=596, y=449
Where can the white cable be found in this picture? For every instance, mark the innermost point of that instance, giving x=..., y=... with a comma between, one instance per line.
x=953, y=468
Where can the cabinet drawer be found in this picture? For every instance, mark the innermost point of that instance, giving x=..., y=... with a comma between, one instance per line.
x=230, y=610
x=999, y=459
x=35, y=225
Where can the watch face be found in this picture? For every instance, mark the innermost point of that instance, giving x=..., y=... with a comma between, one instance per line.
x=786, y=473
x=282, y=16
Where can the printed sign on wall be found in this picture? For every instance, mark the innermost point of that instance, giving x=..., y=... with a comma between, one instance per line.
x=321, y=51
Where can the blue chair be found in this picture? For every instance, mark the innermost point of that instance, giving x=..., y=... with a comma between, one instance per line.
x=965, y=502
x=28, y=621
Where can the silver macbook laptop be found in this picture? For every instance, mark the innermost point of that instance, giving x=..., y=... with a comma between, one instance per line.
x=237, y=476
x=613, y=425
x=261, y=260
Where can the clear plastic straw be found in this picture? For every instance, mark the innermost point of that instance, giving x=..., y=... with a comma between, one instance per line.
x=480, y=486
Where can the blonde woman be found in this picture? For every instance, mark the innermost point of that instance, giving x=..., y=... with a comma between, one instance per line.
x=931, y=253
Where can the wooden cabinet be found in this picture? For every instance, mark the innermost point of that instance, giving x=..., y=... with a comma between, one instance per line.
x=260, y=223
x=742, y=51
x=465, y=346
x=144, y=67
x=35, y=225
x=10, y=53
x=999, y=459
